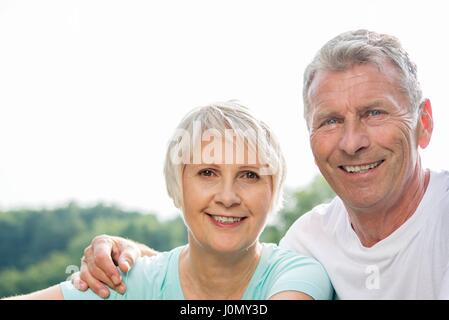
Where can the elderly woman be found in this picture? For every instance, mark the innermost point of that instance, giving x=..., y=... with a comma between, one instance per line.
x=224, y=169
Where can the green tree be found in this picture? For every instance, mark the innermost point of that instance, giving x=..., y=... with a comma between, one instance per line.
x=41, y=248
x=296, y=204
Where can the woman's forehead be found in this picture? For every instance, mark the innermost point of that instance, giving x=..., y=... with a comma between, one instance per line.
x=227, y=149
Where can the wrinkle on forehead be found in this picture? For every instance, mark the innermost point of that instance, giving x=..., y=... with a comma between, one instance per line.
x=387, y=73
x=325, y=80
x=379, y=83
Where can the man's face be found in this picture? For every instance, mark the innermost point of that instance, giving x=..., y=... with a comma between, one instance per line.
x=363, y=136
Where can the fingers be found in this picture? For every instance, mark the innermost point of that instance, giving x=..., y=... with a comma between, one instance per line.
x=98, y=268
x=101, y=265
x=98, y=274
x=130, y=253
x=95, y=285
x=78, y=283
x=96, y=280
x=124, y=265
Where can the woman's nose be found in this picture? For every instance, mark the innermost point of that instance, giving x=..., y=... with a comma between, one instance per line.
x=226, y=195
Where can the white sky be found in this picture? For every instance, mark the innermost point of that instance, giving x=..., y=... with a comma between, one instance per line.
x=90, y=91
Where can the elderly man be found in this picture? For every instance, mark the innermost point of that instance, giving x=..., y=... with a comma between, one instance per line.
x=386, y=234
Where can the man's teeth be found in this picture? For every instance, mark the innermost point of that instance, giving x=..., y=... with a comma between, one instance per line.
x=361, y=169
x=229, y=220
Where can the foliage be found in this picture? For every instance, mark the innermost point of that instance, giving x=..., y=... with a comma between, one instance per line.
x=42, y=248
x=296, y=204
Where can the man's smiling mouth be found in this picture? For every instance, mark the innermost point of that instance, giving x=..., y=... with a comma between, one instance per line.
x=361, y=168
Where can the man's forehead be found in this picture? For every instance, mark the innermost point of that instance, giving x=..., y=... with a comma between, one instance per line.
x=345, y=79
x=357, y=81
x=328, y=82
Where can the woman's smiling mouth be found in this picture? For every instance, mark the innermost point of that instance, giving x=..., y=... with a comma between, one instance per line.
x=225, y=220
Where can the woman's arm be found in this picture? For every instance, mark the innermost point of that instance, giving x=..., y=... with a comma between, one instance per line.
x=98, y=265
x=290, y=295
x=52, y=293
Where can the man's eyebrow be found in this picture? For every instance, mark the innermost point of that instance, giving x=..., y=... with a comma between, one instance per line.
x=324, y=114
x=321, y=115
x=369, y=106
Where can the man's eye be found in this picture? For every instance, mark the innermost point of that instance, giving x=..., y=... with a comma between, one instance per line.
x=250, y=175
x=374, y=113
x=330, y=122
x=206, y=173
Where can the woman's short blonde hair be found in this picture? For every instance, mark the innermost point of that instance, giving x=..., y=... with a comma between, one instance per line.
x=220, y=118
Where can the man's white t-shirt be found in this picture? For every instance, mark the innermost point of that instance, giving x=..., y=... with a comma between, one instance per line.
x=411, y=263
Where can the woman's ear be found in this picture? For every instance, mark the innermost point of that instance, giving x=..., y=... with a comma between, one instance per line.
x=425, y=124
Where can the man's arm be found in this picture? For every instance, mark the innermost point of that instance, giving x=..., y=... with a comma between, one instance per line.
x=99, y=264
x=52, y=293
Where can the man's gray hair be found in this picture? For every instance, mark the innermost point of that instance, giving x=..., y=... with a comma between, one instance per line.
x=362, y=47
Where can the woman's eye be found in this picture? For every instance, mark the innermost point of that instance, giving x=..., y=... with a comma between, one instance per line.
x=206, y=173
x=251, y=175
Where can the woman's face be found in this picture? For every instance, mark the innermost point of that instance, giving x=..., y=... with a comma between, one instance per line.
x=225, y=205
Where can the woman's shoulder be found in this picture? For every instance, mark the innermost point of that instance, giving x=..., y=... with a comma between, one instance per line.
x=287, y=270
x=149, y=274
x=276, y=254
x=162, y=259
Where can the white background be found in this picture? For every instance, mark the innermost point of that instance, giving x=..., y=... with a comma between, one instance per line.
x=90, y=91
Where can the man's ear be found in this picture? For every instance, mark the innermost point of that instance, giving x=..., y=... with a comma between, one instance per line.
x=425, y=124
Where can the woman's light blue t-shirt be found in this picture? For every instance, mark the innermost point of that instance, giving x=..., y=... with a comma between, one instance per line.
x=278, y=270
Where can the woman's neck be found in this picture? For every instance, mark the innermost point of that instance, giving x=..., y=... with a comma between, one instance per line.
x=205, y=274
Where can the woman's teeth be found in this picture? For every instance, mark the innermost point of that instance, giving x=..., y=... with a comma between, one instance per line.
x=226, y=220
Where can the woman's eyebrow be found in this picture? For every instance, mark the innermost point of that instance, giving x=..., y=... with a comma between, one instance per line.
x=250, y=167
x=204, y=165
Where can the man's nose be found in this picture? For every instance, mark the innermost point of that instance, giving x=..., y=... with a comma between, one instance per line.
x=227, y=195
x=354, y=139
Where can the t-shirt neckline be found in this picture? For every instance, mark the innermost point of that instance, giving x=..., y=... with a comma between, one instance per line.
x=252, y=283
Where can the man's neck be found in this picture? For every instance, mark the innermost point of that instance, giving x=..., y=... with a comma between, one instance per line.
x=376, y=224
x=208, y=275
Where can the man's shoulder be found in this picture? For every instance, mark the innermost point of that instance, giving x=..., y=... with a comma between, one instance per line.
x=439, y=179
x=322, y=214
x=435, y=203
x=319, y=222
x=436, y=197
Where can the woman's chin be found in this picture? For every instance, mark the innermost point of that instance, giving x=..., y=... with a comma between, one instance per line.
x=230, y=247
